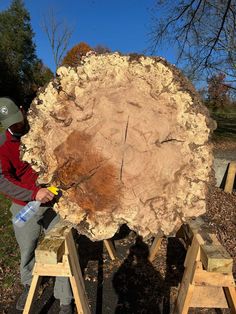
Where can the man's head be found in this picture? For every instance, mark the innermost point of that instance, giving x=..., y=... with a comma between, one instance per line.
x=9, y=113
x=11, y=117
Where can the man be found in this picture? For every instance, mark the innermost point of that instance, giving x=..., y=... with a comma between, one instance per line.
x=18, y=182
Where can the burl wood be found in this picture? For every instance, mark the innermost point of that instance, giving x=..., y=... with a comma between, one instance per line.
x=126, y=139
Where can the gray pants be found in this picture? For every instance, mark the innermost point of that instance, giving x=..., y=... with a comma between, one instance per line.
x=27, y=238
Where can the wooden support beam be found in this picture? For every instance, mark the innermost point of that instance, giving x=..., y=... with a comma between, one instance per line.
x=110, y=249
x=32, y=293
x=215, y=258
x=230, y=293
x=212, y=254
x=76, y=280
x=206, y=278
x=60, y=269
x=229, y=184
x=50, y=252
x=193, y=253
x=209, y=297
x=155, y=248
x=186, y=288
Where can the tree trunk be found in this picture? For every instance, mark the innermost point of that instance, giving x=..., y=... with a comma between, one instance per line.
x=126, y=139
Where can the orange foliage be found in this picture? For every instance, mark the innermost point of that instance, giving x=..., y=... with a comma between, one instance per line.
x=73, y=56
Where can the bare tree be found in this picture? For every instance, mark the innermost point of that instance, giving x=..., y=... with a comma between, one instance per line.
x=204, y=31
x=58, y=33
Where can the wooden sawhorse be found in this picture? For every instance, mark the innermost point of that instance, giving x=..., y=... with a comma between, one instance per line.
x=208, y=280
x=56, y=255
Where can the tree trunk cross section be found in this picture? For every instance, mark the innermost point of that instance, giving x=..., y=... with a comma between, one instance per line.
x=127, y=141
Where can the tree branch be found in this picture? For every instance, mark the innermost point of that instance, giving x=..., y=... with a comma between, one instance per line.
x=219, y=32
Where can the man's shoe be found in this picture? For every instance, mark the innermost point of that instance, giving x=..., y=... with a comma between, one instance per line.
x=20, y=304
x=65, y=309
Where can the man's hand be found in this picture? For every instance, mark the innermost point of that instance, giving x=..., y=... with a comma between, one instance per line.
x=44, y=195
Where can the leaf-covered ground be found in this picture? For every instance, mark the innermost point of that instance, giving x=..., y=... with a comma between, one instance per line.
x=9, y=257
x=130, y=284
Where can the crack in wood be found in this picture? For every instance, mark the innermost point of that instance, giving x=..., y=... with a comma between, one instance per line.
x=86, y=177
x=81, y=179
x=135, y=104
x=126, y=129
x=171, y=140
x=73, y=98
x=121, y=168
x=122, y=161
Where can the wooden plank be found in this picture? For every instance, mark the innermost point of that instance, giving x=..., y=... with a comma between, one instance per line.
x=215, y=258
x=61, y=269
x=77, y=282
x=209, y=297
x=76, y=292
x=155, y=248
x=213, y=255
x=186, y=288
x=110, y=249
x=230, y=294
x=193, y=253
x=230, y=177
x=50, y=251
x=75, y=256
x=214, y=239
x=205, y=278
x=32, y=293
x=182, y=306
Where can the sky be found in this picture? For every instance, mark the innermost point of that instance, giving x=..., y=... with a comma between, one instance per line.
x=120, y=25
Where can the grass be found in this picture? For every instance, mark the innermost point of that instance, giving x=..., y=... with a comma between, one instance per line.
x=223, y=134
x=226, y=122
x=229, y=111
x=9, y=252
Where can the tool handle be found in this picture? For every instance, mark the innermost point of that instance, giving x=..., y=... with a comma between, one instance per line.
x=53, y=189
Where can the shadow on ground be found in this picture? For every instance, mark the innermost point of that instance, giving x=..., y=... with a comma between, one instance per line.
x=137, y=283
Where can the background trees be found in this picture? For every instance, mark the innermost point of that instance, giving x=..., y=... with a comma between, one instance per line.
x=99, y=49
x=204, y=32
x=58, y=34
x=75, y=54
x=218, y=93
x=21, y=72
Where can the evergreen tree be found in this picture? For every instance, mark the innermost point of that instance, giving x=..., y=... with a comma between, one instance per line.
x=19, y=63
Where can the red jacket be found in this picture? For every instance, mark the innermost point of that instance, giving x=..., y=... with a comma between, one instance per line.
x=17, y=178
